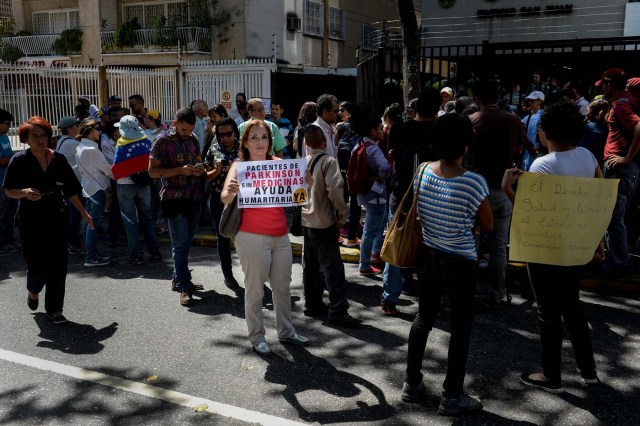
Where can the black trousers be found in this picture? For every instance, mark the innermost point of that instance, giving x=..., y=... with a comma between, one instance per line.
x=437, y=271
x=44, y=247
x=224, y=243
x=322, y=255
x=557, y=293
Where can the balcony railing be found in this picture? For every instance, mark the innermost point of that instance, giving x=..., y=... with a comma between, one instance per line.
x=33, y=45
x=190, y=39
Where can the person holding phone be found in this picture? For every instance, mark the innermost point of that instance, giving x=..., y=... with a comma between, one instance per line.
x=222, y=153
x=175, y=159
x=42, y=179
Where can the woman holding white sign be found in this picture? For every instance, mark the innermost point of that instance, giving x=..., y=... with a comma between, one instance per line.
x=263, y=248
x=557, y=288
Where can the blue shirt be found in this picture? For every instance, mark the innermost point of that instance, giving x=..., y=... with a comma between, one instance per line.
x=531, y=123
x=447, y=208
x=5, y=152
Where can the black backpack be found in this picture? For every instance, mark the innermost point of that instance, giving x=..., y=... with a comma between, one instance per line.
x=345, y=146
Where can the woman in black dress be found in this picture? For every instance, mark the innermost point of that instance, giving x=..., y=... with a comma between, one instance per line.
x=41, y=179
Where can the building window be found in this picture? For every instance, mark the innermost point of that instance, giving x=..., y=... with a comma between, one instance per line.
x=55, y=21
x=337, y=23
x=370, y=36
x=176, y=12
x=313, y=18
x=5, y=10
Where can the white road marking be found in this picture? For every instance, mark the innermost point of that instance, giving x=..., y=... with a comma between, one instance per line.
x=147, y=390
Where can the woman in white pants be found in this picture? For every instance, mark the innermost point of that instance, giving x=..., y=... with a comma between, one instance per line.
x=263, y=247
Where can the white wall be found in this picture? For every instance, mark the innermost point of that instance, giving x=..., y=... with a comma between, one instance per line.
x=632, y=20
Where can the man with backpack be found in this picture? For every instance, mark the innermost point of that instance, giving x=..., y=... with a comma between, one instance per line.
x=366, y=175
x=321, y=218
x=66, y=145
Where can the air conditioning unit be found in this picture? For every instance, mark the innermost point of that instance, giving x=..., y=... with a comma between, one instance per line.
x=293, y=22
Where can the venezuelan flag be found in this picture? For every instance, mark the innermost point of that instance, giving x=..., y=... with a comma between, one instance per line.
x=131, y=156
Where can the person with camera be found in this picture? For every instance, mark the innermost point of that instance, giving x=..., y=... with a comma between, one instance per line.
x=221, y=154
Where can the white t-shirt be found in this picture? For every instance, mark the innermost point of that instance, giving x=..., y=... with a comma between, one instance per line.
x=578, y=162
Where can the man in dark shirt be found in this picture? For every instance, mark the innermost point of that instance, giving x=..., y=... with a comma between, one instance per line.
x=499, y=138
x=410, y=145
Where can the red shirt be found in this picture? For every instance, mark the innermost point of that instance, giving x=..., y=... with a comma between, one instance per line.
x=623, y=117
x=264, y=221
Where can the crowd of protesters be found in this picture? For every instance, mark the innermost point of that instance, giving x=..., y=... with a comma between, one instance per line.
x=461, y=152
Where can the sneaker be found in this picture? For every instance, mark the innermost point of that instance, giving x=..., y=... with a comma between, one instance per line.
x=413, y=394
x=372, y=270
x=9, y=248
x=262, y=348
x=156, y=256
x=389, y=308
x=346, y=321
x=376, y=261
x=162, y=228
x=462, y=404
x=353, y=243
x=96, y=262
x=590, y=379
x=59, y=319
x=186, y=298
x=76, y=250
x=296, y=339
x=104, y=256
x=344, y=232
x=544, y=385
x=137, y=259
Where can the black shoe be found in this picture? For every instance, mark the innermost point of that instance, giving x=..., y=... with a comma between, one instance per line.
x=174, y=285
x=413, y=394
x=316, y=311
x=33, y=304
x=232, y=283
x=156, y=256
x=345, y=321
x=59, y=319
x=544, y=385
x=137, y=260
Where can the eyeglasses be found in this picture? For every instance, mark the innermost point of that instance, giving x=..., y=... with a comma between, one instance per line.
x=226, y=134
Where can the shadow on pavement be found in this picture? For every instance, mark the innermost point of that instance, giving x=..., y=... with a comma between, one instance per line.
x=310, y=373
x=72, y=338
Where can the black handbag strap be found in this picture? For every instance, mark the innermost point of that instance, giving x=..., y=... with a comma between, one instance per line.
x=315, y=161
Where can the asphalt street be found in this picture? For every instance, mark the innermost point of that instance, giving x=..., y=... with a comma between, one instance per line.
x=132, y=355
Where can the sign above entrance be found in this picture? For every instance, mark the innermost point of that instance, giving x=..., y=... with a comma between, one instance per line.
x=552, y=9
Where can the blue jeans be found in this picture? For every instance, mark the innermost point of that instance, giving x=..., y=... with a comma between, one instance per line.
x=497, y=241
x=617, y=244
x=95, y=207
x=181, y=228
x=392, y=279
x=130, y=197
x=8, y=209
x=372, y=235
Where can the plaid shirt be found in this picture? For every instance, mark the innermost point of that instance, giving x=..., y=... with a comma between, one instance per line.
x=218, y=152
x=173, y=152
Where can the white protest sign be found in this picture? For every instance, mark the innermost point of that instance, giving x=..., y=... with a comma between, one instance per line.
x=272, y=183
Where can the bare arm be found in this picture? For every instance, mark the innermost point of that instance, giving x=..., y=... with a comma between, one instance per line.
x=510, y=177
x=230, y=189
x=157, y=171
x=484, y=216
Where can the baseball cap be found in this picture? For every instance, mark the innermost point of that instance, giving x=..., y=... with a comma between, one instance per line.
x=115, y=98
x=84, y=98
x=447, y=90
x=617, y=74
x=129, y=128
x=634, y=83
x=536, y=94
x=67, y=121
x=155, y=114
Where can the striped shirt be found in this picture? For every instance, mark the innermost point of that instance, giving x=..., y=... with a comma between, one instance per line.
x=447, y=208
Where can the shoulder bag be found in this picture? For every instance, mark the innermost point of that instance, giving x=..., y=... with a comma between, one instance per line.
x=400, y=246
x=230, y=219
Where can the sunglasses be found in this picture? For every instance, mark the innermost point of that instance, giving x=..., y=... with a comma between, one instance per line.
x=226, y=134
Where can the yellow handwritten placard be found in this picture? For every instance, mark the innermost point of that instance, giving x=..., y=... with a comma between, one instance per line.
x=559, y=220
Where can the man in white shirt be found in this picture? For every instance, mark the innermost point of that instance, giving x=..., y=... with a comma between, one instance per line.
x=201, y=109
x=327, y=110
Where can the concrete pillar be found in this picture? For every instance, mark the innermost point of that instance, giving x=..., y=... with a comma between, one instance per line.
x=90, y=24
x=17, y=11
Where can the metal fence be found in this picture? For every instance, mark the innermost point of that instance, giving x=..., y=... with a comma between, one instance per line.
x=52, y=93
